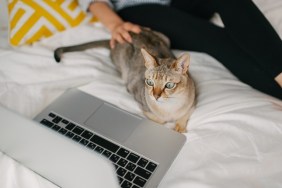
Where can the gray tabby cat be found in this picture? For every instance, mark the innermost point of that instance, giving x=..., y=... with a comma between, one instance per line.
x=159, y=82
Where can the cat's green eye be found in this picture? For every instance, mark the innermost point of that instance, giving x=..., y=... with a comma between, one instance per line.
x=149, y=82
x=170, y=85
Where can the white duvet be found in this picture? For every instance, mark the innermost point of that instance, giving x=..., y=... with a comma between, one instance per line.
x=235, y=133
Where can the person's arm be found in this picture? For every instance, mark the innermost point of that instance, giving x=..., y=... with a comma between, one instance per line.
x=119, y=28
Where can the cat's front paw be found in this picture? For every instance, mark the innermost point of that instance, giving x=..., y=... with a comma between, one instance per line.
x=180, y=129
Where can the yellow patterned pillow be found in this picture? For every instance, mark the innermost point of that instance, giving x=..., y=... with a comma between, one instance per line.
x=32, y=20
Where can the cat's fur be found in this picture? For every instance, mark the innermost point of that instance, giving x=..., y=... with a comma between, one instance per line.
x=159, y=82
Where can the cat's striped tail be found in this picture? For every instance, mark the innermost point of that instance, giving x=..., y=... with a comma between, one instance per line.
x=95, y=44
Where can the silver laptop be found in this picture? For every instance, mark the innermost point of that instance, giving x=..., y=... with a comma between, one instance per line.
x=141, y=150
x=55, y=158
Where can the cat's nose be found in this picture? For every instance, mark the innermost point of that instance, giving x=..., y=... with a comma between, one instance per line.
x=157, y=92
x=157, y=96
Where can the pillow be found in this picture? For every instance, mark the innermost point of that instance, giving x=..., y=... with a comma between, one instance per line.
x=32, y=20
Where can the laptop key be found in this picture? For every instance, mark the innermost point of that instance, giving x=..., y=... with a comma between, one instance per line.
x=130, y=166
x=114, y=158
x=46, y=123
x=86, y=134
x=123, y=152
x=143, y=173
x=57, y=119
x=151, y=167
x=51, y=115
x=69, y=134
x=99, y=149
x=76, y=138
x=91, y=145
x=142, y=162
x=107, y=153
x=70, y=126
x=122, y=162
x=83, y=142
x=129, y=176
x=126, y=184
x=139, y=181
x=64, y=121
x=63, y=131
x=121, y=171
x=78, y=130
x=56, y=127
x=133, y=157
x=105, y=143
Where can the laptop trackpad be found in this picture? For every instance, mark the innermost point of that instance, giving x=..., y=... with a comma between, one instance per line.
x=113, y=122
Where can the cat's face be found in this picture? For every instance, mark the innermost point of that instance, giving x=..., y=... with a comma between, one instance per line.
x=165, y=79
x=162, y=85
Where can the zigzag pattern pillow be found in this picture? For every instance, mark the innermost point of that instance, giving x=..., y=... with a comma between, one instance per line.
x=32, y=20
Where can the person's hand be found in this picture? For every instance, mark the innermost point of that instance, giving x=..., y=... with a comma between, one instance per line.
x=120, y=33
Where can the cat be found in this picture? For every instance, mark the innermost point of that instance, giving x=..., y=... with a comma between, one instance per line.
x=159, y=81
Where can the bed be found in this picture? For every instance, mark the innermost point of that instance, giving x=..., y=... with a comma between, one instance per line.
x=235, y=132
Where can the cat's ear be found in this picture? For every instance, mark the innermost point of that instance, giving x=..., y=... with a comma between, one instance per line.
x=182, y=63
x=150, y=61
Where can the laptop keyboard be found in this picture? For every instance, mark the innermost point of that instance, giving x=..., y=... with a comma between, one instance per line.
x=133, y=170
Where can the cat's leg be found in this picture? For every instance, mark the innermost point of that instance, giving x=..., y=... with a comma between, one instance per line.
x=153, y=117
x=181, y=124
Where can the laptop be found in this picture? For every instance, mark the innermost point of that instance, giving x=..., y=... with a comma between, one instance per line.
x=59, y=160
x=140, y=150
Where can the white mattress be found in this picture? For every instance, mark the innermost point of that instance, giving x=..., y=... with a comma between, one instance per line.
x=235, y=133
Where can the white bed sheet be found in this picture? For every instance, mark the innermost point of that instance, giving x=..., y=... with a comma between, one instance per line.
x=235, y=133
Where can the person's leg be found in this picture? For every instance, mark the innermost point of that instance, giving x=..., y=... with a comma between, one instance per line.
x=199, y=8
x=248, y=27
x=188, y=32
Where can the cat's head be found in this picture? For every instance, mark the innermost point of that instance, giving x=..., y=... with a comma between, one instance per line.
x=165, y=78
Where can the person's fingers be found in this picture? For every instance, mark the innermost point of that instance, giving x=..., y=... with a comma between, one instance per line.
x=114, y=39
x=132, y=27
x=136, y=29
x=123, y=33
x=126, y=36
x=119, y=39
